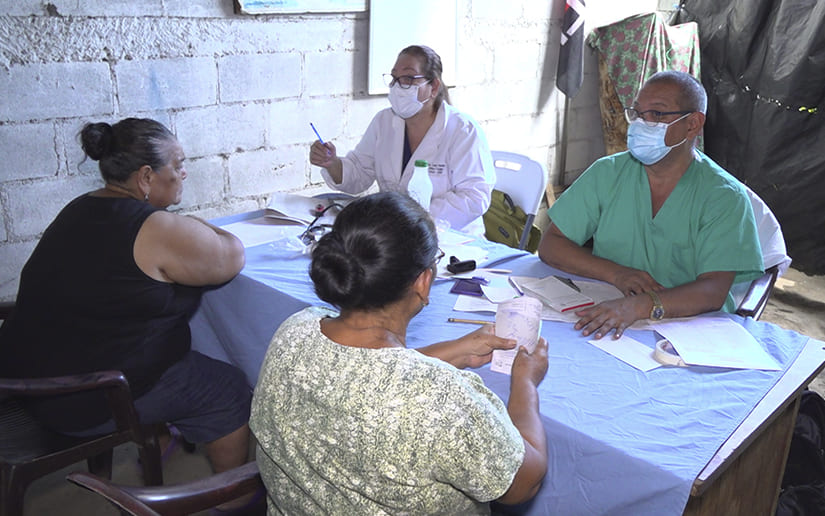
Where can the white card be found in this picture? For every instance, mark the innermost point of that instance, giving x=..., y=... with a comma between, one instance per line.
x=518, y=319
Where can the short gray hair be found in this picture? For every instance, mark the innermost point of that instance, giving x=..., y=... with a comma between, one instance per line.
x=693, y=95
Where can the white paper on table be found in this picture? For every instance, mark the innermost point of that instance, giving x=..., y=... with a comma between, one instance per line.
x=554, y=293
x=450, y=238
x=628, y=350
x=518, y=319
x=465, y=303
x=462, y=252
x=255, y=233
x=497, y=289
x=293, y=207
x=716, y=341
x=498, y=294
x=599, y=291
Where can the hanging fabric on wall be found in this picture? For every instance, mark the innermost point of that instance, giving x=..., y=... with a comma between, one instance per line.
x=570, y=72
x=630, y=51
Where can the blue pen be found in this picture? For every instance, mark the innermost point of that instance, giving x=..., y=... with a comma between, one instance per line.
x=319, y=137
x=316, y=133
x=515, y=286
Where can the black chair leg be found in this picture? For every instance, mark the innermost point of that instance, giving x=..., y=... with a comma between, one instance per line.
x=12, y=491
x=101, y=464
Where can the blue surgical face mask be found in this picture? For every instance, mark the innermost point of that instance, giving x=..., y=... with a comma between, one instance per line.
x=647, y=142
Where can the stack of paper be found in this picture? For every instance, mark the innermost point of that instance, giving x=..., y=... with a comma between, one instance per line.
x=554, y=293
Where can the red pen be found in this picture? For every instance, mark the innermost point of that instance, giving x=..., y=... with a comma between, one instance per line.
x=578, y=306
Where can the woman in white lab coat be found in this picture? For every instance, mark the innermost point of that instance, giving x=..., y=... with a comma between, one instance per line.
x=420, y=125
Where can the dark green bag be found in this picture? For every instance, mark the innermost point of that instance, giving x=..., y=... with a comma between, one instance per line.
x=504, y=222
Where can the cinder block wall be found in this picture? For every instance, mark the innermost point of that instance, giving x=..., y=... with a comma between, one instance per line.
x=239, y=91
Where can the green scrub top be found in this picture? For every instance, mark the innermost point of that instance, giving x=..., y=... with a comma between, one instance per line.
x=705, y=225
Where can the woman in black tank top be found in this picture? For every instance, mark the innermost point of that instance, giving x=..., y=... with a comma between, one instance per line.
x=112, y=284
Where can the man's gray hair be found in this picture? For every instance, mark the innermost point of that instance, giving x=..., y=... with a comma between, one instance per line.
x=693, y=97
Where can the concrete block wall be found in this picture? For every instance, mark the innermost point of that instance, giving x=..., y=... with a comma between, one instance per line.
x=239, y=91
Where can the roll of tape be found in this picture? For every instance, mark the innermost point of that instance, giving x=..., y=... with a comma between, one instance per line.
x=665, y=354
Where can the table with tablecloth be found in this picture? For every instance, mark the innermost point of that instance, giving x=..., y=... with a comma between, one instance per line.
x=620, y=441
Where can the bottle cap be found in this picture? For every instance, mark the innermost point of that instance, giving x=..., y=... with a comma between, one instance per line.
x=421, y=163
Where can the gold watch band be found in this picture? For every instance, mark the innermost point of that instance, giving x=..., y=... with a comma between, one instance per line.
x=657, y=313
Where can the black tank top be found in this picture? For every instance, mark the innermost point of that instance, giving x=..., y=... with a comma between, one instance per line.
x=84, y=305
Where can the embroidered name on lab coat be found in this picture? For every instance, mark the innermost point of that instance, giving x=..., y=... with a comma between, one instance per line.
x=437, y=169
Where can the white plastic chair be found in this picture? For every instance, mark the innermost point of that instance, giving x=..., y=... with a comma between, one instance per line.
x=524, y=180
x=752, y=297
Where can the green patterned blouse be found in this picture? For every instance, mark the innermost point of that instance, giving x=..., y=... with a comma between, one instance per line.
x=344, y=430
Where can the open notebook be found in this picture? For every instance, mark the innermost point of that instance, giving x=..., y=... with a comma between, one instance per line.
x=553, y=292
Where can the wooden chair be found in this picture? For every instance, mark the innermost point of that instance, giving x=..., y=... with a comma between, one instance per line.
x=29, y=451
x=175, y=500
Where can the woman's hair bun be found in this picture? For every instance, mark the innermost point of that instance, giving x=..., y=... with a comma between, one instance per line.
x=96, y=139
x=337, y=276
x=379, y=245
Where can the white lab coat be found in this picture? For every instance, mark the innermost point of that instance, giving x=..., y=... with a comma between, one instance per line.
x=460, y=165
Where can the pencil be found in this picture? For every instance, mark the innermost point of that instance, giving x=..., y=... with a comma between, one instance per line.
x=468, y=321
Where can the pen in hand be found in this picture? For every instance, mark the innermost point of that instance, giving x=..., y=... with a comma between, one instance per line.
x=319, y=136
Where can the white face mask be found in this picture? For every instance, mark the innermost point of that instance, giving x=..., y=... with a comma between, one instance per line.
x=405, y=102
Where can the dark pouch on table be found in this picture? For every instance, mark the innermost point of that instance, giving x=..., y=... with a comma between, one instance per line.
x=468, y=287
x=457, y=266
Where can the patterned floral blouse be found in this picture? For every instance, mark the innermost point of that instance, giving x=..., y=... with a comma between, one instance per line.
x=345, y=430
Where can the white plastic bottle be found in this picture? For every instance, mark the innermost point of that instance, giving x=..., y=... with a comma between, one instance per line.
x=420, y=187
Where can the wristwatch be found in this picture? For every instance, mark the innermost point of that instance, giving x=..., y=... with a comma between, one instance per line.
x=657, y=313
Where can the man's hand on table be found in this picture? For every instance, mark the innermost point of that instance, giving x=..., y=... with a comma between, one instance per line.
x=634, y=281
x=614, y=315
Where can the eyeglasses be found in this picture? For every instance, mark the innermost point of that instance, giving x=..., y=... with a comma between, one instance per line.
x=439, y=255
x=315, y=231
x=650, y=117
x=405, y=81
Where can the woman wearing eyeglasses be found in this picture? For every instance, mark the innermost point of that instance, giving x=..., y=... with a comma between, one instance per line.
x=419, y=125
x=350, y=421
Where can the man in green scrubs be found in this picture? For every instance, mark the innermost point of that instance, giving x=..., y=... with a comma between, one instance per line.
x=671, y=229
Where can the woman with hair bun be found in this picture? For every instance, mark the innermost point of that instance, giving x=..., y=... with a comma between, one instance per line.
x=420, y=125
x=112, y=284
x=350, y=421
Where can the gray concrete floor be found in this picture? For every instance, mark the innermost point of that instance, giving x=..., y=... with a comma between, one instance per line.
x=798, y=303
x=54, y=495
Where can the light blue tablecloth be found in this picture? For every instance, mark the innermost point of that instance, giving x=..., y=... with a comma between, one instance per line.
x=621, y=441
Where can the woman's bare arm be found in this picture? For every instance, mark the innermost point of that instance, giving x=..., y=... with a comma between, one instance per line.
x=187, y=250
x=527, y=373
